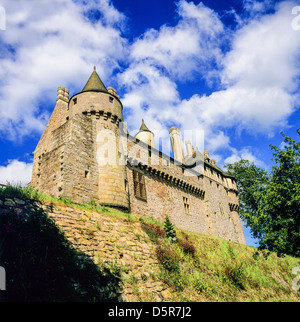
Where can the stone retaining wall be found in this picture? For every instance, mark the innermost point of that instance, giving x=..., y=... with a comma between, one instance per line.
x=109, y=241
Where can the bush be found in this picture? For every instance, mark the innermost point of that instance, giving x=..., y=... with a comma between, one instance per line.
x=187, y=246
x=154, y=231
x=168, y=258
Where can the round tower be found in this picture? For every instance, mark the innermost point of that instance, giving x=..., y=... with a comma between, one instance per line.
x=145, y=135
x=104, y=108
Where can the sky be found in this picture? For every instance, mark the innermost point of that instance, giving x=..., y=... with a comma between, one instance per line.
x=227, y=68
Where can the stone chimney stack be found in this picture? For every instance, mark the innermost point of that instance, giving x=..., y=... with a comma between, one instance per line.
x=176, y=144
x=62, y=94
x=206, y=155
x=189, y=148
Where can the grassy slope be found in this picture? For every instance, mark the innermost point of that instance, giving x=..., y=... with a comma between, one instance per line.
x=203, y=268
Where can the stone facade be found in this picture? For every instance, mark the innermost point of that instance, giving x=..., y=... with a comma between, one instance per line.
x=86, y=153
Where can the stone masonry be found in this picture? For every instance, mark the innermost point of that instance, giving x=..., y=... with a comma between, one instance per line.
x=86, y=153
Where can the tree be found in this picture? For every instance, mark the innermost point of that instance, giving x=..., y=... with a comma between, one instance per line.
x=170, y=230
x=280, y=211
x=251, y=183
x=270, y=206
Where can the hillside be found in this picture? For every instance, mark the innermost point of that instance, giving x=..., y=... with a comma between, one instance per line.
x=54, y=250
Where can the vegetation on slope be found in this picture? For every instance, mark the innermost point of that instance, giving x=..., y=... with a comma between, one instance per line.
x=196, y=267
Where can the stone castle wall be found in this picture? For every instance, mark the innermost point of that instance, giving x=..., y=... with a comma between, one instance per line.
x=169, y=186
x=78, y=157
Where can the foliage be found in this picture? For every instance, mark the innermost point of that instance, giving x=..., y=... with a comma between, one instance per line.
x=251, y=183
x=271, y=205
x=168, y=258
x=170, y=230
x=45, y=267
x=279, y=214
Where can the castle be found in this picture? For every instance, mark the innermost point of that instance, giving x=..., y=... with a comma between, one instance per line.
x=86, y=153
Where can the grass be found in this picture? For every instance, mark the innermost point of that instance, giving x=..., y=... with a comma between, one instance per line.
x=195, y=267
x=203, y=268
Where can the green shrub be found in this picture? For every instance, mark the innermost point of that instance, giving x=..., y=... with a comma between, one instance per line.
x=170, y=230
x=168, y=258
x=187, y=246
x=154, y=231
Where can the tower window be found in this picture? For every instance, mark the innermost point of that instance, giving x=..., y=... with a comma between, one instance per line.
x=111, y=99
x=221, y=209
x=139, y=185
x=86, y=174
x=75, y=100
x=186, y=205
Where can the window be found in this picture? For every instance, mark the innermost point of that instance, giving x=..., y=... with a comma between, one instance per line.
x=186, y=205
x=221, y=209
x=139, y=185
x=86, y=174
x=75, y=100
x=111, y=99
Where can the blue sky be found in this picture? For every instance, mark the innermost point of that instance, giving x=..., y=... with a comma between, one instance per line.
x=229, y=68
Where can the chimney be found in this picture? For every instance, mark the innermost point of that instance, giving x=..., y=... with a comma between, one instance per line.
x=189, y=147
x=206, y=155
x=176, y=144
x=62, y=94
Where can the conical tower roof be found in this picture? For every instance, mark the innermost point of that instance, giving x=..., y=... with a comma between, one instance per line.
x=144, y=127
x=94, y=83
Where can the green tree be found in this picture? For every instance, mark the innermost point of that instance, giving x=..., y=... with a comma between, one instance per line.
x=270, y=205
x=170, y=230
x=251, y=183
x=279, y=212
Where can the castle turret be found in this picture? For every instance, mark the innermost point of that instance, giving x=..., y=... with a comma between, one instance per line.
x=80, y=158
x=103, y=107
x=145, y=135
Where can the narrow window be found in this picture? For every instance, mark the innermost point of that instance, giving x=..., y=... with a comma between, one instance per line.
x=86, y=174
x=139, y=185
x=221, y=209
x=75, y=100
x=111, y=99
x=186, y=205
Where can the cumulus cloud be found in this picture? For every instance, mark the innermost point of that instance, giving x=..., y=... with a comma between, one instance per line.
x=16, y=172
x=51, y=43
x=161, y=58
x=186, y=48
x=246, y=154
x=254, y=68
x=257, y=75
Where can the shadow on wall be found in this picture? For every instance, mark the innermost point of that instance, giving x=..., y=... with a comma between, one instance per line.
x=41, y=264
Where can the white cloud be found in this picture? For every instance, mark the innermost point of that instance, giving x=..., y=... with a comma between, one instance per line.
x=47, y=44
x=185, y=49
x=256, y=79
x=16, y=172
x=246, y=154
x=161, y=57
